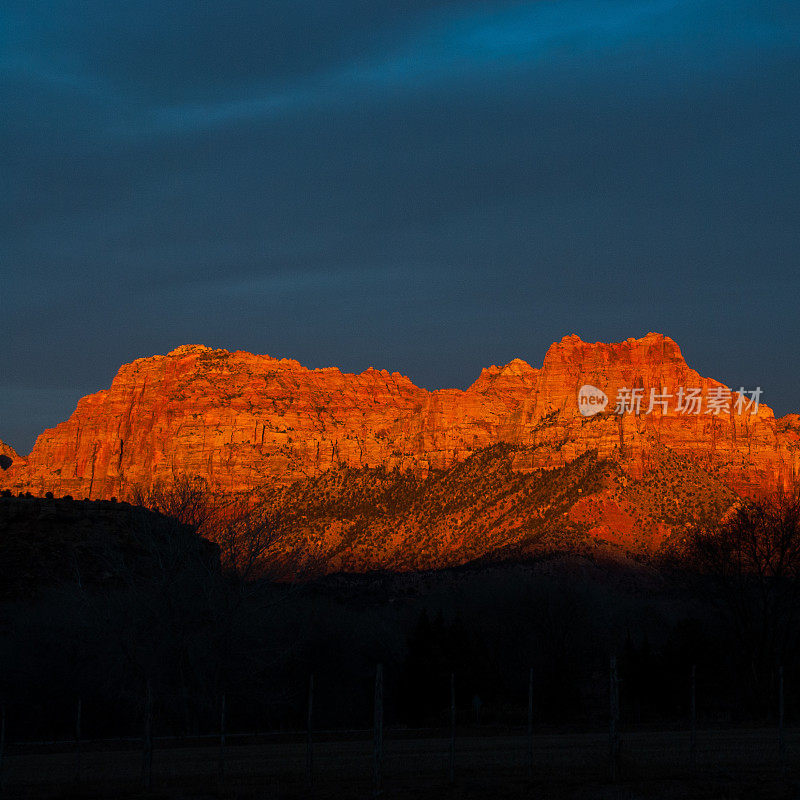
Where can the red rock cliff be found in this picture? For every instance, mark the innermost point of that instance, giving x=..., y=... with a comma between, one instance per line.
x=240, y=420
x=7, y=455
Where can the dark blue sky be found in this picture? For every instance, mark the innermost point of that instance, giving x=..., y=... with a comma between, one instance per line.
x=427, y=187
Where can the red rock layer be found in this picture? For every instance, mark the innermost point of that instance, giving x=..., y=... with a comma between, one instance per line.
x=240, y=420
x=7, y=455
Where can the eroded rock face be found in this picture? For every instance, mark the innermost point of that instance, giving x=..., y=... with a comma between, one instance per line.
x=241, y=420
x=7, y=456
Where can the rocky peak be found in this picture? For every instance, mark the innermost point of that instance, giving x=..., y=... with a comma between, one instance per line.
x=187, y=349
x=516, y=375
x=654, y=349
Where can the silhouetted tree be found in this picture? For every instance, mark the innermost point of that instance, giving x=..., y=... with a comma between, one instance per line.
x=242, y=527
x=754, y=560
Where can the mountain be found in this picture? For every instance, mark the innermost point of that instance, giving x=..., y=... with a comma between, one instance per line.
x=242, y=421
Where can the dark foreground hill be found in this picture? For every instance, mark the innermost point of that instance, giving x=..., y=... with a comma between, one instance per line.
x=46, y=542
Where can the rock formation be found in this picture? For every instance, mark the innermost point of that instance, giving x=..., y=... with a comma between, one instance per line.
x=7, y=455
x=242, y=421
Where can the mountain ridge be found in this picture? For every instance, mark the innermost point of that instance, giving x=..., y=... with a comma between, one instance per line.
x=239, y=420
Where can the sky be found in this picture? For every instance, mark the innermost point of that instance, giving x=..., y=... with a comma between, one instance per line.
x=425, y=187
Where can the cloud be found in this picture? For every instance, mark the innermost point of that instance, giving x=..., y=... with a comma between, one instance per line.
x=647, y=45
x=423, y=186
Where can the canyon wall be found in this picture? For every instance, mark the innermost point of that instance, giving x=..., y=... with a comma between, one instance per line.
x=241, y=420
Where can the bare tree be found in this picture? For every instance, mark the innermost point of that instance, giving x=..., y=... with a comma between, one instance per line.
x=184, y=498
x=243, y=528
x=754, y=559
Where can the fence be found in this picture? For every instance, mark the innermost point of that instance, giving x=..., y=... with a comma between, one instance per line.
x=377, y=761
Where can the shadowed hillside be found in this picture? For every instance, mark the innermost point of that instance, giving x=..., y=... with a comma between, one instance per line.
x=485, y=509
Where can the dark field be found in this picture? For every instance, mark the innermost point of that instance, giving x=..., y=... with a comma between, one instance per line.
x=177, y=648
x=740, y=763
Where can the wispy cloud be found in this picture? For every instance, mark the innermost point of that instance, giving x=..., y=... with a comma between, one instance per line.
x=543, y=38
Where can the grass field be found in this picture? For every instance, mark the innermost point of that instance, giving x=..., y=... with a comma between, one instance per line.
x=654, y=764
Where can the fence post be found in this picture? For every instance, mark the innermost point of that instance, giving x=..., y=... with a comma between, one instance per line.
x=147, y=738
x=781, y=733
x=78, y=771
x=530, y=724
x=309, y=742
x=221, y=758
x=452, y=727
x=693, y=715
x=2, y=743
x=378, y=733
x=613, y=733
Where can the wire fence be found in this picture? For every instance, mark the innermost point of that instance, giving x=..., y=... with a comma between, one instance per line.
x=381, y=760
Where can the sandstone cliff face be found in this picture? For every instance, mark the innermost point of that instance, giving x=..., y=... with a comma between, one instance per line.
x=241, y=421
x=7, y=455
